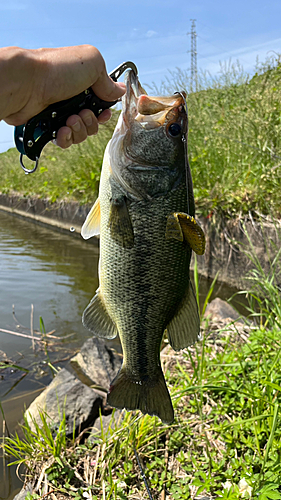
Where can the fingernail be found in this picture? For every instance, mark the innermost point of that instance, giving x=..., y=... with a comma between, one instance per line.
x=76, y=127
x=88, y=120
x=68, y=137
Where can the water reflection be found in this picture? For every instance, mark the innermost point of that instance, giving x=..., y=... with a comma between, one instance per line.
x=54, y=271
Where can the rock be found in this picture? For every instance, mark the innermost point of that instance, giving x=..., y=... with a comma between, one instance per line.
x=66, y=393
x=97, y=362
x=23, y=492
x=219, y=310
x=107, y=420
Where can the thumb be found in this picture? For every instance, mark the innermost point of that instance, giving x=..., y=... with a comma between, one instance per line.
x=105, y=88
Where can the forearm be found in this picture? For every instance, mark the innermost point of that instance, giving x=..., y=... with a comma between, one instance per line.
x=17, y=74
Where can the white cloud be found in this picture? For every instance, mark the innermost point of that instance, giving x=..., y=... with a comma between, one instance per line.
x=246, y=55
x=151, y=33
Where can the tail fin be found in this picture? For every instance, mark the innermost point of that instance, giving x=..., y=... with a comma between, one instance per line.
x=151, y=396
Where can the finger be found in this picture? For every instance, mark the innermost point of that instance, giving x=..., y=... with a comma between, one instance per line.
x=105, y=116
x=79, y=130
x=90, y=121
x=64, y=137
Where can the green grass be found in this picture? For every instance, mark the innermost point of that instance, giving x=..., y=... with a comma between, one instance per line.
x=234, y=137
x=226, y=437
x=226, y=392
x=62, y=174
x=234, y=146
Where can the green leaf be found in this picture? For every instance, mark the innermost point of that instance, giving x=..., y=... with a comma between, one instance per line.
x=59, y=461
x=271, y=495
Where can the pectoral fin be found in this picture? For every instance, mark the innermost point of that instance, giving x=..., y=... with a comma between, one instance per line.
x=184, y=329
x=91, y=226
x=97, y=319
x=183, y=227
x=121, y=228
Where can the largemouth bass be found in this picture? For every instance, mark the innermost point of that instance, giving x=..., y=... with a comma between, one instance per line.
x=145, y=218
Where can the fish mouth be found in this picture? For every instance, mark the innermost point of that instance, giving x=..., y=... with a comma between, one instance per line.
x=152, y=112
x=130, y=100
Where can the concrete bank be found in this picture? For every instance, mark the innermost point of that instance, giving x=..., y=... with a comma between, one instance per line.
x=227, y=241
x=62, y=216
x=233, y=244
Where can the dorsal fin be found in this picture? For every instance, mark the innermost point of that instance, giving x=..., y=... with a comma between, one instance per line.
x=91, y=226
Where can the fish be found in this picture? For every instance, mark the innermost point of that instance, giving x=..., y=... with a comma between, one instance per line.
x=145, y=216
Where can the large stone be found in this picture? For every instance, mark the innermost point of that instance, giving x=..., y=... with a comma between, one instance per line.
x=66, y=393
x=97, y=362
x=24, y=491
x=110, y=420
x=219, y=310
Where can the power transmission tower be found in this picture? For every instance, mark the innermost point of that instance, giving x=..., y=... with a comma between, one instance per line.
x=193, y=52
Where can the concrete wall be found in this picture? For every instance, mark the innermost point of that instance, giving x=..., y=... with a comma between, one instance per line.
x=227, y=243
x=61, y=215
x=230, y=242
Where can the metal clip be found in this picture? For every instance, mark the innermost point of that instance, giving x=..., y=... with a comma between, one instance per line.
x=117, y=72
x=27, y=170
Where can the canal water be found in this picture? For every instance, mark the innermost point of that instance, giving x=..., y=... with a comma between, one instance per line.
x=57, y=273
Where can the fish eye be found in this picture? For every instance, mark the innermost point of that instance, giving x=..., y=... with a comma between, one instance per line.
x=174, y=130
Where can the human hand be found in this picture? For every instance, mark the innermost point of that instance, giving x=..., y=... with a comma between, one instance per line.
x=34, y=79
x=78, y=127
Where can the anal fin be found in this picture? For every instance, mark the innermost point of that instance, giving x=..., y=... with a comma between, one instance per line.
x=97, y=320
x=183, y=227
x=184, y=329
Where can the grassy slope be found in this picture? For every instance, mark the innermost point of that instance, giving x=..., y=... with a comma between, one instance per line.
x=235, y=145
x=62, y=174
x=234, y=151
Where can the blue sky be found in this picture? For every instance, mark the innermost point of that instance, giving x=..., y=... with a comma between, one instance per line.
x=152, y=33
